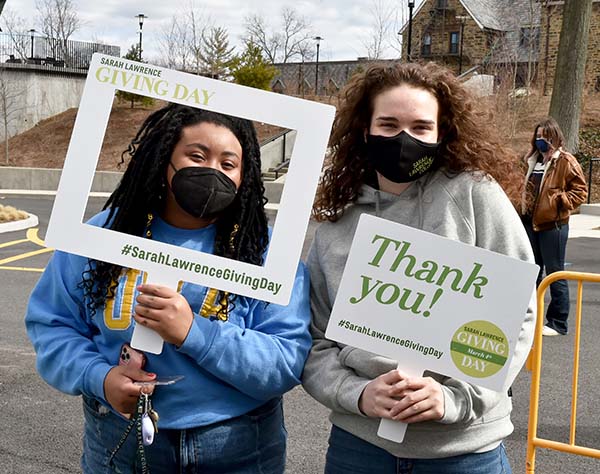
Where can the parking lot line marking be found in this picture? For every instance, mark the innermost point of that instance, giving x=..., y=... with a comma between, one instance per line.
x=32, y=236
x=25, y=255
x=23, y=269
x=14, y=242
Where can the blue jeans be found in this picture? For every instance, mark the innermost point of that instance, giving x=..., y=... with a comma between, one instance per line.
x=248, y=444
x=348, y=454
x=549, y=249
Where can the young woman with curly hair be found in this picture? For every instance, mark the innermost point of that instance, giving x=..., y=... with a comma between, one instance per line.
x=194, y=180
x=410, y=145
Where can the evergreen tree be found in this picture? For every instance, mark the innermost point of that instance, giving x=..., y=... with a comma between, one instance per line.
x=215, y=53
x=134, y=55
x=251, y=69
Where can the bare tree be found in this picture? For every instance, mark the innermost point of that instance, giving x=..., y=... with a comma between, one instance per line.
x=181, y=41
x=16, y=28
x=569, y=76
x=291, y=42
x=306, y=51
x=533, y=40
x=400, y=19
x=197, y=27
x=173, y=41
x=12, y=105
x=296, y=34
x=258, y=34
x=381, y=24
x=58, y=20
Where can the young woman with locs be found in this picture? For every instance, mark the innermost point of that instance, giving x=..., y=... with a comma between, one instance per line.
x=194, y=180
x=409, y=145
x=555, y=186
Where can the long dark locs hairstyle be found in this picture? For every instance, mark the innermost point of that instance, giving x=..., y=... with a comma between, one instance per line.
x=242, y=229
x=468, y=140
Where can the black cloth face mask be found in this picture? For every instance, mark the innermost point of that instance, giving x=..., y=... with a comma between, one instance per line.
x=202, y=192
x=401, y=158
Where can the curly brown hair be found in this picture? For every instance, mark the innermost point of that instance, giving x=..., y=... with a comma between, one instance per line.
x=468, y=140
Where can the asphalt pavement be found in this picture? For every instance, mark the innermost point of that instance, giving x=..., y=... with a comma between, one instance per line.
x=40, y=428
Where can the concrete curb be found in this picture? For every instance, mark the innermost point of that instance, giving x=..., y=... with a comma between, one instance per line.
x=593, y=209
x=13, y=226
x=584, y=225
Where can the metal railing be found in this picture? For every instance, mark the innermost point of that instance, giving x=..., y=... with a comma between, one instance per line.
x=50, y=53
x=284, y=162
x=283, y=165
x=534, y=363
x=274, y=137
x=591, y=165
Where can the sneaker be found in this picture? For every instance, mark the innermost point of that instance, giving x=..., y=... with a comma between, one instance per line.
x=548, y=331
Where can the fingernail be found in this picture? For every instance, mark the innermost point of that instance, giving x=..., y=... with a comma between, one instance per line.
x=150, y=374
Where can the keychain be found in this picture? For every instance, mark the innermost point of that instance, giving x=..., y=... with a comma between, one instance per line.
x=145, y=418
x=149, y=420
x=144, y=431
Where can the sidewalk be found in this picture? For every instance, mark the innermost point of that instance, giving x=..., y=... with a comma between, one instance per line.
x=586, y=224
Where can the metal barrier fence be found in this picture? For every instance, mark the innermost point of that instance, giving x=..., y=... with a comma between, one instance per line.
x=534, y=363
x=50, y=52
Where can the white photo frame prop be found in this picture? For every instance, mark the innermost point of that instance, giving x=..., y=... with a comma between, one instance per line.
x=431, y=303
x=271, y=282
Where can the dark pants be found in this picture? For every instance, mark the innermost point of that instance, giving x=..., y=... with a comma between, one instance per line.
x=348, y=454
x=549, y=248
x=249, y=444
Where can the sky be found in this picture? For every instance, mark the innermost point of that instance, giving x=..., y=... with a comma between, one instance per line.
x=345, y=25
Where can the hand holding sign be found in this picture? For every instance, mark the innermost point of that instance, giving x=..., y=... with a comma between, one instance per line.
x=163, y=311
x=401, y=397
x=431, y=304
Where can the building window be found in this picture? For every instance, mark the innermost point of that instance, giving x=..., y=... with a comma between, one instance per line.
x=453, y=48
x=426, y=46
x=530, y=37
x=441, y=4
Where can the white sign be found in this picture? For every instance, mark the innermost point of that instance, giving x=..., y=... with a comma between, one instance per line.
x=271, y=282
x=431, y=303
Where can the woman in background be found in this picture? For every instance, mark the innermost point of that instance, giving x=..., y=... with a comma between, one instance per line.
x=555, y=186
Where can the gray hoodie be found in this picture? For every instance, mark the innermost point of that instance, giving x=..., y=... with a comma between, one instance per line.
x=468, y=208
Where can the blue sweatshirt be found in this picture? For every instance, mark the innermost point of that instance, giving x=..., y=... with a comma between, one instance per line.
x=230, y=367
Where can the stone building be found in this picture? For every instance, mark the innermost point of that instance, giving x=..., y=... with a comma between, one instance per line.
x=516, y=38
x=499, y=36
x=551, y=22
x=510, y=39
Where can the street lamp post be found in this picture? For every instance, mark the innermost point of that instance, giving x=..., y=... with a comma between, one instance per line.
x=32, y=31
x=318, y=40
x=141, y=17
x=462, y=19
x=411, y=5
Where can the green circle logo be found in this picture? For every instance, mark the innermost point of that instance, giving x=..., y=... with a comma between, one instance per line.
x=479, y=349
